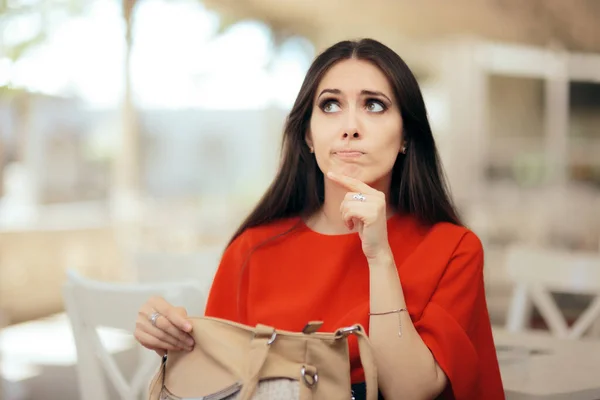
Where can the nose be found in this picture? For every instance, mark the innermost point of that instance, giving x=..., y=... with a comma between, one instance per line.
x=351, y=130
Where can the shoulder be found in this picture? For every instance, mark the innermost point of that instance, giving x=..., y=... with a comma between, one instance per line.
x=441, y=246
x=438, y=259
x=455, y=238
x=256, y=235
x=462, y=249
x=443, y=237
x=237, y=252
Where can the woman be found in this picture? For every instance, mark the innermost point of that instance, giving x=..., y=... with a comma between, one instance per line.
x=358, y=227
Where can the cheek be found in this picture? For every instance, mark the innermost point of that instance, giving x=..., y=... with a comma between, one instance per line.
x=389, y=144
x=319, y=130
x=322, y=129
x=390, y=136
x=387, y=158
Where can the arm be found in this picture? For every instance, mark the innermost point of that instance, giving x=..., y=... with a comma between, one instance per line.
x=228, y=293
x=449, y=347
x=405, y=366
x=450, y=342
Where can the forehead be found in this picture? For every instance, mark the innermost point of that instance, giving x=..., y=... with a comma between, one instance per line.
x=351, y=76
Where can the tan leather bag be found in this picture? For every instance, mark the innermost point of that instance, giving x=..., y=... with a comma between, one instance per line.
x=235, y=361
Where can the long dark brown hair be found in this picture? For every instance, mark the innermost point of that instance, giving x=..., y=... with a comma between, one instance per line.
x=418, y=186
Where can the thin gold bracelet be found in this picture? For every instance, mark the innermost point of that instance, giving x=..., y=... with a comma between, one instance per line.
x=398, y=311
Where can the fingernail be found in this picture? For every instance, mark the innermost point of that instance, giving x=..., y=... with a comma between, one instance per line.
x=187, y=327
x=190, y=342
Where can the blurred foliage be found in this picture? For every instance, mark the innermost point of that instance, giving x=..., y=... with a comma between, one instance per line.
x=17, y=51
x=11, y=10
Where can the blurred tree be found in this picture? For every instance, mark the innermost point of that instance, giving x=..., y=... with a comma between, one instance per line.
x=20, y=99
x=126, y=172
x=13, y=50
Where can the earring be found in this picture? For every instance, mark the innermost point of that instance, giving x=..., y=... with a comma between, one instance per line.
x=311, y=149
x=403, y=149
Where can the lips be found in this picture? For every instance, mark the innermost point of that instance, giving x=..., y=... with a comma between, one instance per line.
x=348, y=153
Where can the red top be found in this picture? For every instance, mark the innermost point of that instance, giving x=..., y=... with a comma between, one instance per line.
x=305, y=276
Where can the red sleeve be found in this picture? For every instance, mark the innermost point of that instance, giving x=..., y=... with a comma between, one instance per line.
x=455, y=326
x=228, y=293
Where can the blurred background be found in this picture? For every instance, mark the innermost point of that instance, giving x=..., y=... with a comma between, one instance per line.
x=138, y=127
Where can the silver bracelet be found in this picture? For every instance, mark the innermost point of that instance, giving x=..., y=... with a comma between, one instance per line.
x=398, y=311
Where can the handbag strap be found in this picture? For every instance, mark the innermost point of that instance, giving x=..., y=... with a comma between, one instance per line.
x=368, y=362
x=259, y=349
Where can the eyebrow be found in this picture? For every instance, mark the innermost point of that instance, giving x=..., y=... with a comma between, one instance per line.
x=362, y=92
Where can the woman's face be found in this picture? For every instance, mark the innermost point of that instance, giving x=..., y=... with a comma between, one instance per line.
x=356, y=126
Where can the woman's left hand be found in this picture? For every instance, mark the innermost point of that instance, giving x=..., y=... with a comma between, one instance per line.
x=364, y=210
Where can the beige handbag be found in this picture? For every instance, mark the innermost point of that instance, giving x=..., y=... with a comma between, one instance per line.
x=235, y=361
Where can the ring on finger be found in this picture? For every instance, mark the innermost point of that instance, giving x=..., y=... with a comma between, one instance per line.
x=153, y=317
x=359, y=197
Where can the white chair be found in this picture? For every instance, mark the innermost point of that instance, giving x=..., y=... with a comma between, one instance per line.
x=200, y=267
x=90, y=305
x=537, y=273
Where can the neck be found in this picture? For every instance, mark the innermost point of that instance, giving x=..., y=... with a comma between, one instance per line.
x=328, y=219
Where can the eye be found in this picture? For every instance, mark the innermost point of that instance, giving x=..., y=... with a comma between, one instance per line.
x=375, y=106
x=330, y=106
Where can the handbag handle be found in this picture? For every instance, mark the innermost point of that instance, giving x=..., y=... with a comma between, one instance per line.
x=259, y=349
x=366, y=358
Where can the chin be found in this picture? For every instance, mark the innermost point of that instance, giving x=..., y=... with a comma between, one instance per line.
x=374, y=180
x=349, y=169
x=360, y=172
x=367, y=178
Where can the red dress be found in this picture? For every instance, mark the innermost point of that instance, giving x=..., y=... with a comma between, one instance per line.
x=304, y=276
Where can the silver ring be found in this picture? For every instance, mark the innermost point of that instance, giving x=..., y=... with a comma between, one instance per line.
x=359, y=197
x=154, y=317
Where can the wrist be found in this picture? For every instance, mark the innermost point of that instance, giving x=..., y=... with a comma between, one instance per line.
x=382, y=258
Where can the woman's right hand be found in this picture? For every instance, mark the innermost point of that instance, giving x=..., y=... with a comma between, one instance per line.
x=172, y=330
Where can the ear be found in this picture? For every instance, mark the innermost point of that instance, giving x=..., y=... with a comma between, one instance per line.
x=308, y=140
x=403, y=142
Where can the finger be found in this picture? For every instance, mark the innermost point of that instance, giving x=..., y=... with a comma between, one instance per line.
x=355, y=211
x=176, y=315
x=367, y=209
x=180, y=311
x=163, y=322
x=350, y=183
x=373, y=205
x=355, y=196
x=165, y=325
x=185, y=344
x=349, y=221
x=162, y=337
x=153, y=343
